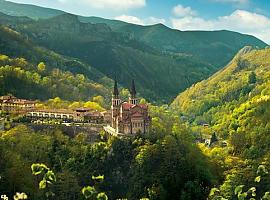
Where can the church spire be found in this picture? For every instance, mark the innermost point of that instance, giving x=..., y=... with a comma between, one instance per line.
x=132, y=98
x=133, y=89
x=115, y=89
x=116, y=101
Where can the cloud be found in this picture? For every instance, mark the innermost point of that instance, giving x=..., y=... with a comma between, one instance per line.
x=232, y=1
x=154, y=20
x=130, y=19
x=235, y=3
x=191, y=23
x=240, y=21
x=139, y=21
x=108, y=4
x=181, y=11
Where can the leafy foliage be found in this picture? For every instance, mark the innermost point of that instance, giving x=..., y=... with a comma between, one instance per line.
x=90, y=192
x=20, y=78
x=48, y=179
x=19, y=196
x=235, y=105
x=163, y=164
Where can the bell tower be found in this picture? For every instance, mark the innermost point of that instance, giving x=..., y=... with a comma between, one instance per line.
x=115, y=96
x=133, y=99
x=116, y=101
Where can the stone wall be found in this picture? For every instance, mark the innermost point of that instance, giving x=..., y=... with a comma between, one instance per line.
x=92, y=131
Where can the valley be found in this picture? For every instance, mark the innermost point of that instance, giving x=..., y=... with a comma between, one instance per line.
x=177, y=59
x=95, y=108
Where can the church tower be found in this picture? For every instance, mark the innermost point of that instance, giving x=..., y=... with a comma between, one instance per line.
x=133, y=99
x=116, y=102
x=115, y=96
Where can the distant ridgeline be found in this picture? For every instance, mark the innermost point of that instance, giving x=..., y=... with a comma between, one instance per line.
x=163, y=61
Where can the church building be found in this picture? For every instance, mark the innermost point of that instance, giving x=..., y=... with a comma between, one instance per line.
x=129, y=117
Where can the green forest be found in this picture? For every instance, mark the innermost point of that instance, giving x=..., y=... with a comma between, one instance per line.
x=235, y=103
x=146, y=166
x=27, y=80
x=104, y=49
x=208, y=94
x=164, y=164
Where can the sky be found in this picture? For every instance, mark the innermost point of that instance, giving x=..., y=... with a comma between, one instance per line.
x=244, y=16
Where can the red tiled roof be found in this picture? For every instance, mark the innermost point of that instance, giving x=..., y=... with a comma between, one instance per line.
x=127, y=106
x=22, y=101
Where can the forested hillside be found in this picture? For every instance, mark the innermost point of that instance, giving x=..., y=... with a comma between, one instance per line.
x=61, y=76
x=15, y=44
x=164, y=164
x=171, y=60
x=27, y=80
x=214, y=47
x=235, y=103
x=116, y=54
x=212, y=142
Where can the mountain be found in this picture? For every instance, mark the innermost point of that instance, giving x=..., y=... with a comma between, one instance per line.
x=158, y=76
x=235, y=99
x=62, y=77
x=12, y=20
x=214, y=47
x=233, y=106
x=32, y=11
x=162, y=60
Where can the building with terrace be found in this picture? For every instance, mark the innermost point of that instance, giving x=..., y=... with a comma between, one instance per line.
x=51, y=114
x=13, y=105
x=79, y=115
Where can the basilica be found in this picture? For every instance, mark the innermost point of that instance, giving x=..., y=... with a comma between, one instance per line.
x=129, y=117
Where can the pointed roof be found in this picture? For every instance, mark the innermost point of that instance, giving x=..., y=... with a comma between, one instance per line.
x=133, y=89
x=115, y=89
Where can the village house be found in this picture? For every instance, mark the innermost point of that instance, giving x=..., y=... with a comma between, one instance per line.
x=13, y=105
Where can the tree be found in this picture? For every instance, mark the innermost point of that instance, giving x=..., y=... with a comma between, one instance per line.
x=93, y=105
x=100, y=100
x=252, y=79
x=90, y=192
x=41, y=67
x=213, y=138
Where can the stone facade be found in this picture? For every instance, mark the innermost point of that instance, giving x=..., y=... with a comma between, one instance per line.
x=129, y=117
